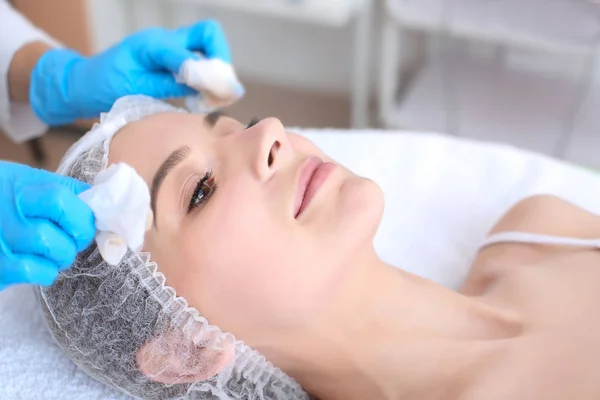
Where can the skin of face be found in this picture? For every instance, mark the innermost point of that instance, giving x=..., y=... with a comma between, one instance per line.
x=241, y=258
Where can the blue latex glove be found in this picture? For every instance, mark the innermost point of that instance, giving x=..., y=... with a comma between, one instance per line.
x=43, y=224
x=66, y=86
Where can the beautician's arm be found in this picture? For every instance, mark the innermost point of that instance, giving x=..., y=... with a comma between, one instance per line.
x=20, y=70
x=21, y=45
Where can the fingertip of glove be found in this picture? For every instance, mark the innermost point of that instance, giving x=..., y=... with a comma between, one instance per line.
x=176, y=90
x=41, y=272
x=85, y=240
x=86, y=232
x=75, y=185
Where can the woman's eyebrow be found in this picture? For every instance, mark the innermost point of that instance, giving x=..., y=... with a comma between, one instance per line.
x=211, y=118
x=174, y=159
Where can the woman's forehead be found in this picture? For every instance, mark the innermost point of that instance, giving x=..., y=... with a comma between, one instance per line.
x=163, y=125
x=146, y=143
x=158, y=132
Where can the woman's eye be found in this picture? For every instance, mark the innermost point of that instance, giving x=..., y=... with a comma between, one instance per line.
x=205, y=188
x=199, y=195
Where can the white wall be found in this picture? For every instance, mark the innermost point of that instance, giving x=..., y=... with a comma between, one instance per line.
x=287, y=53
x=109, y=20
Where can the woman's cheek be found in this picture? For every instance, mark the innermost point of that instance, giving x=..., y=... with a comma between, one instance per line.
x=301, y=144
x=218, y=243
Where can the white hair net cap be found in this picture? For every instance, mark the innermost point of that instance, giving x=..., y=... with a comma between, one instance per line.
x=112, y=321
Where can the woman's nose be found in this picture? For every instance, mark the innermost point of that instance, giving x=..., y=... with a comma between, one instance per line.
x=272, y=148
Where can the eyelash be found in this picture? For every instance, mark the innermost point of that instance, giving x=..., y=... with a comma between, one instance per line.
x=205, y=187
x=253, y=122
x=208, y=184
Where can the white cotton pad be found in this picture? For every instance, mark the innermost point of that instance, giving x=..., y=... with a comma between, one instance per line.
x=120, y=201
x=111, y=246
x=215, y=80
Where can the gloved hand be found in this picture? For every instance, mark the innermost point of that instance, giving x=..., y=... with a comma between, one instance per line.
x=43, y=224
x=66, y=86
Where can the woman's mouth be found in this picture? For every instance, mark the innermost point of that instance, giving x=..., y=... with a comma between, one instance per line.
x=313, y=173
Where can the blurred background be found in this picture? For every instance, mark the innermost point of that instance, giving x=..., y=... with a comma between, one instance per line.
x=522, y=72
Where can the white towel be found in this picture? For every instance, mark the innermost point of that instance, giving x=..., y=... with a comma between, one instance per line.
x=32, y=367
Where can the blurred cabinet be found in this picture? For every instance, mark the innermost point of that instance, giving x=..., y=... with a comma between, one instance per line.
x=329, y=12
x=556, y=25
x=488, y=95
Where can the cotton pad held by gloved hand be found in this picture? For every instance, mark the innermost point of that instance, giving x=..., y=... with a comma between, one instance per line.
x=120, y=200
x=215, y=80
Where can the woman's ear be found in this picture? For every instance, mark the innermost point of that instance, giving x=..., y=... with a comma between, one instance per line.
x=171, y=359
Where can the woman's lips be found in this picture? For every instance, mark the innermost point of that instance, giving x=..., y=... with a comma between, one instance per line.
x=313, y=173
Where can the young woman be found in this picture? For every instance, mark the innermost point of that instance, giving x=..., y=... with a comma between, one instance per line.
x=269, y=240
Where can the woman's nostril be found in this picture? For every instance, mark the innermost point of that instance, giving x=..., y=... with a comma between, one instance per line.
x=273, y=152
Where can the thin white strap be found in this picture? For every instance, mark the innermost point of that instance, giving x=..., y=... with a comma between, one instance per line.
x=534, y=238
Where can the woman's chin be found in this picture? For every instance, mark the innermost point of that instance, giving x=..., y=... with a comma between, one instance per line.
x=360, y=207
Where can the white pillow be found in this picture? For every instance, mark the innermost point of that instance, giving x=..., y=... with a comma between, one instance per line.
x=442, y=196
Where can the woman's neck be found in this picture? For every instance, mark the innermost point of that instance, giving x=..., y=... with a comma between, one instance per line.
x=392, y=335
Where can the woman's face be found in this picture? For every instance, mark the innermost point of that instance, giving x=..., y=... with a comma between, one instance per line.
x=227, y=233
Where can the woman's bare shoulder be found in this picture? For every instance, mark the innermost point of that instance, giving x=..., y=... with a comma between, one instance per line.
x=542, y=214
x=549, y=215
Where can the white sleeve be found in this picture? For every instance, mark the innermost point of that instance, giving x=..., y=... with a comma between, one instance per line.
x=17, y=119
